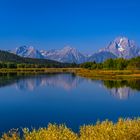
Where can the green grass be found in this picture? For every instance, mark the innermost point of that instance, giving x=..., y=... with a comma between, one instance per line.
x=106, y=130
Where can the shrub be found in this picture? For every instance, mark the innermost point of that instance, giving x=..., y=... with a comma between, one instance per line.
x=122, y=130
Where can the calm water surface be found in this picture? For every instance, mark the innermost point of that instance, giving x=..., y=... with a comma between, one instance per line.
x=35, y=101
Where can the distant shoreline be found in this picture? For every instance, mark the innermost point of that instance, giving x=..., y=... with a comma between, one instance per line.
x=109, y=74
x=92, y=74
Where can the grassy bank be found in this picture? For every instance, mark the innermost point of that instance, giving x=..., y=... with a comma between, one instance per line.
x=93, y=74
x=122, y=130
x=109, y=74
x=38, y=70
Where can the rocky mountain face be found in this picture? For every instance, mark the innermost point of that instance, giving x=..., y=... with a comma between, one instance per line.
x=29, y=52
x=121, y=47
x=67, y=54
x=101, y=57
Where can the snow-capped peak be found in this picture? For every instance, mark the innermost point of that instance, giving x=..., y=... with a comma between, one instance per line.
x=66, y=54
x=68, y=48
x=121, y=49
x=28, y=51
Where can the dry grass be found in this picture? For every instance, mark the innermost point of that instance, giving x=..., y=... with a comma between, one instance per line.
x=39, y=70
x=109, y=74
x=95, y=74
x=122, y=130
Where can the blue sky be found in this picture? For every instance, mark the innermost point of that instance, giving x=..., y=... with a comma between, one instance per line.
x=84, y=24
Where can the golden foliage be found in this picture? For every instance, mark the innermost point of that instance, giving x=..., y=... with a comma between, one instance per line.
x=122, y=130
x=106, y=130
x=11, y=135
x=53, y=132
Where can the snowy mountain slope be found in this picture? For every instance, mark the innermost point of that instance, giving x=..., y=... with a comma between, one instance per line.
x=123, y=47
x=119, y=47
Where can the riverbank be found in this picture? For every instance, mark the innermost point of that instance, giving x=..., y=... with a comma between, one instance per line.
x=92, y=74
x=109, y=74
x=39, y=70
x=106, y=130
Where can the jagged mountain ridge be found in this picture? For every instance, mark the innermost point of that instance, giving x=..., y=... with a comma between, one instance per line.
x=101, y=56
x=121, y=47
x=6, y=56
x=67, y=54
x=29, y=52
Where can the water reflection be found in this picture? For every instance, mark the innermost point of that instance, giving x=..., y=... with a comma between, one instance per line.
x=120, y=89
x=122, y=93
x=36, y=100
x=64, y=81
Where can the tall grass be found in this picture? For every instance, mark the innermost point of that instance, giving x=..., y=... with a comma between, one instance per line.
x=108, y=74
x=106, y=130
x=95, y=74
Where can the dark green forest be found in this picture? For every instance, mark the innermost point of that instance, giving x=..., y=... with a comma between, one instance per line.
x=114, y=64
x=9, y=60
x=133, y=84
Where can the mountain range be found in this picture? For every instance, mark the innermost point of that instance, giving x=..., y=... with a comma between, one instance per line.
x=121, y=47
x=7, y=57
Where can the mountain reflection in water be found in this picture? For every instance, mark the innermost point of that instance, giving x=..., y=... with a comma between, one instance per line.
x=120, y=89
x=56, y=80
x=34, y=101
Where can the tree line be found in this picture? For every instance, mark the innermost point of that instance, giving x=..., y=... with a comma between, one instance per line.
x=114, y=64
x=109, y=64
x=13, y=65
x=10, y=60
